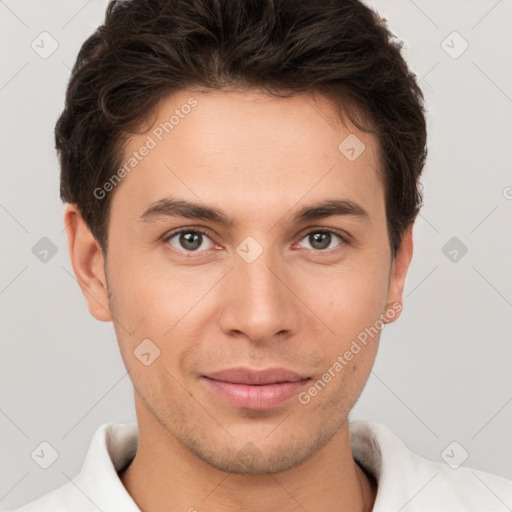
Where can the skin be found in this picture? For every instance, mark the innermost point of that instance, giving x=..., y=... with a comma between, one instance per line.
x=297, y=306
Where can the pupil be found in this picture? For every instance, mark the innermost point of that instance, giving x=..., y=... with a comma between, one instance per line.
x=187, y=240
x=192, y=241
x=322, y=238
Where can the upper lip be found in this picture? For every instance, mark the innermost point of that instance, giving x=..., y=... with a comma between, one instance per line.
x=255, y=377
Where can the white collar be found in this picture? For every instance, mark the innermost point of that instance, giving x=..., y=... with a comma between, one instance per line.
x=406, y=481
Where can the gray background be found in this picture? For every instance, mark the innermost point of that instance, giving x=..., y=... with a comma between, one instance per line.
x=443, y=370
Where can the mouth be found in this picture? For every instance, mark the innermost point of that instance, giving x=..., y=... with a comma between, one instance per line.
x=251, y=389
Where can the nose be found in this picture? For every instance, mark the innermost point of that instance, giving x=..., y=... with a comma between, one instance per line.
x=259, y=301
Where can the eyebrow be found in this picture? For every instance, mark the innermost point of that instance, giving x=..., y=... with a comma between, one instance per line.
x=170, y=207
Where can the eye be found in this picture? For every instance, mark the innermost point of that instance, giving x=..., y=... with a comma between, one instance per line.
x=320, y=240
x=196, y=240
x=189, y=240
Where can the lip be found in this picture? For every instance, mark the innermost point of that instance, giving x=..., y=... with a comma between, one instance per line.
x=256, y=389
x=256, y=377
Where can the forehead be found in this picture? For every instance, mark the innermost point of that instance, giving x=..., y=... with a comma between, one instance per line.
x=250, y=151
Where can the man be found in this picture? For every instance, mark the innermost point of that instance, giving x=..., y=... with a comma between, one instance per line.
x=242, y=179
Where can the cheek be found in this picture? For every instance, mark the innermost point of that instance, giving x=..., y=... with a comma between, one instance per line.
x=156, y=297
x=349, y=299
x=169, y=308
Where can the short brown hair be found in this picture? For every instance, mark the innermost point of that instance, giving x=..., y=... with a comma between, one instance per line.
x=148, y=49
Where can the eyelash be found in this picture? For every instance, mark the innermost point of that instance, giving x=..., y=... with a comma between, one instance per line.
x=344, y=239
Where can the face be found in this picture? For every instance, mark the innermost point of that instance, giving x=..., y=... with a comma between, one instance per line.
x=284, y=266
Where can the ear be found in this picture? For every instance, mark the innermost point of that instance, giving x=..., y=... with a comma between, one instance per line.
x=88, y=264
x=398, y=273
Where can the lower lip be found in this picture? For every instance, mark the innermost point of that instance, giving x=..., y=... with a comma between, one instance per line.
x=265, y=396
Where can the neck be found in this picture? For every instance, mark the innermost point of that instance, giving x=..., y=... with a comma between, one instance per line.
x=165, y=475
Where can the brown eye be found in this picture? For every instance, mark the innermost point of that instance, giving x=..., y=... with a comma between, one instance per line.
x=188, y=240
x=322, y=240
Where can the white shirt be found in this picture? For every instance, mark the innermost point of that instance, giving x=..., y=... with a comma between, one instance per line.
x=406, y=481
